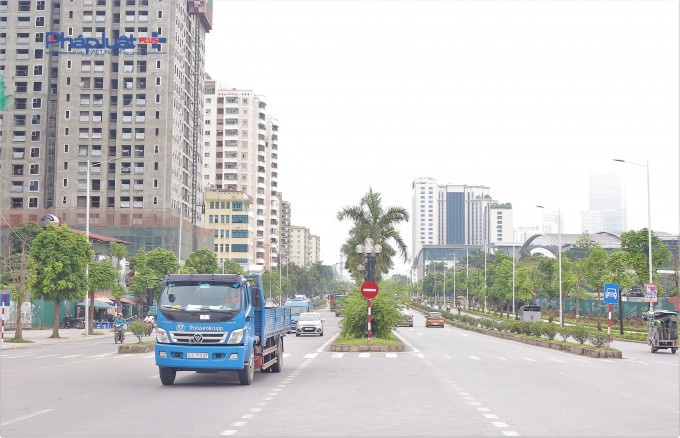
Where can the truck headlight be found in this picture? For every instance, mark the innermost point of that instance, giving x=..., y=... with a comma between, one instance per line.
x=236, y=337
x=161, y=336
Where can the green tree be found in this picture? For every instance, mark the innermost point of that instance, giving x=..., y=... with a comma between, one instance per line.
x=59, y=259
x=384, y=313
x=204, y=261
x=17, y=267
x=231, y=267
x=636, y=246
x=370, y=219
x=149, y=267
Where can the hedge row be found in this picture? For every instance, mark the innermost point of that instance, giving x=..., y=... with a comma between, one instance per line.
x=538, y=329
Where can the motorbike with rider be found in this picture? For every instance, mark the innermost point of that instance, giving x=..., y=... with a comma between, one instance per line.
x=150, y=324
x=119, y=326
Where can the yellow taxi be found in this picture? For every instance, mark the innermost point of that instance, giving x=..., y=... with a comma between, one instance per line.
x=434, y=319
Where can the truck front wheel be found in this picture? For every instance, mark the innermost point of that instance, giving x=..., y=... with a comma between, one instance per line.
x=245, y=375
x=167, y=375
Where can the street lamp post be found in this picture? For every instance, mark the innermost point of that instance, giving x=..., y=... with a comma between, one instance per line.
x=649, y=221
x=87, y=236
x=559, y=255
x=369, y=252
x=513, y=273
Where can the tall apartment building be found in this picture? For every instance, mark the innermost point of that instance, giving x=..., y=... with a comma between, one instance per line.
x=457, y=215
x=285, y=232
x=104, y=94
x=606, y=204
x=241, y=155
x=304, y=246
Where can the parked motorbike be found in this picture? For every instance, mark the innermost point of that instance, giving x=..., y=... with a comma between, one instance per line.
x=71, y=322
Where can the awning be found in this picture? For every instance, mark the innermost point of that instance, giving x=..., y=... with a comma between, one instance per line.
x=98, y=304
x=128, y=300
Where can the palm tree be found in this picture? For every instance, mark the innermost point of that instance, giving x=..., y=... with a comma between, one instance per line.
x=371, y=220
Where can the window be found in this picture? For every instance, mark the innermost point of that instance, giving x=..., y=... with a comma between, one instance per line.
x=40, y=21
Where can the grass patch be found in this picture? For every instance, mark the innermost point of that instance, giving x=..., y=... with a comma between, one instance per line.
x=392, y=340
x=18, y=341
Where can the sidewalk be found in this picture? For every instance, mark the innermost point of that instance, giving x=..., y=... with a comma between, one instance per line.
x=42, y=337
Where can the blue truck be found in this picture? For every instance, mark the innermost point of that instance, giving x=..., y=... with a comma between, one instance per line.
x=298, y=305
x=216, y=322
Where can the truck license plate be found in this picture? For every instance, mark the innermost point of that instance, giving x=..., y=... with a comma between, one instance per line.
x=197, y=355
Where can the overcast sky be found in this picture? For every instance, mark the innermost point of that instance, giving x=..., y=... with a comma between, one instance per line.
x=526, y=97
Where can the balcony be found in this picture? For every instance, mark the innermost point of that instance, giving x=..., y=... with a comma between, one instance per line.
x=19, y=137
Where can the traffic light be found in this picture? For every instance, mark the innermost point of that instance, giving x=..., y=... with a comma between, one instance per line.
x=149, y=296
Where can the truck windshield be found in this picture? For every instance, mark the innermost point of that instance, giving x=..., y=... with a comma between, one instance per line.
x=298, y=310
x=189, y=296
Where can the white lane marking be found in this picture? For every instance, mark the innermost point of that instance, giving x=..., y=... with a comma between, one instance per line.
x=23, y=355
x=154, y=377
x=555, y=359
x=474, y=357
x=122, y=356
x=464, y=393
x=311, y=355
x=323, y=347
x=510, y=433
x=25, y=417
x=462, y=334
x=499, y=424
x=239, y=423
x=364, y=355
x=405, y=342
x=286, y=355
x=468, y=398
x=502, y=358
x=255, y=409
x=46, y=355
x=73, y=355
x=336, y=355
x=476, y=403
x=247, y=416
x=150, y=356
x=446, y=356
x=227, y=432
x=483, y=409
x=529, y=359
x=391, y=355
x=420, y=355
x=491, y=416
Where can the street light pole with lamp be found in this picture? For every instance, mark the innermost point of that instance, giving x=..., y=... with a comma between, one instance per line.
x=369, y=252
x=649, y=221
x=559, y=255
x=87, y=236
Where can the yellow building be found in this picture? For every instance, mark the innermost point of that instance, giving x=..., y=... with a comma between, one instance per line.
x=229, y=214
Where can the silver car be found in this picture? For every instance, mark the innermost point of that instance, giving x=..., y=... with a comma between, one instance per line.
x=309, y=323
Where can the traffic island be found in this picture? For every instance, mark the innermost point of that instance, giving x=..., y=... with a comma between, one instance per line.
x=136, y=348
x=363, y=348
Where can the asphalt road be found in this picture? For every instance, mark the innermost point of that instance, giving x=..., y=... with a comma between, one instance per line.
x=450, y=382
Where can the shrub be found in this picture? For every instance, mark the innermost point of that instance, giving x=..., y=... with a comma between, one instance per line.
x=536, y=329
x=549, y=331
x=527, y=327
x=598, y=338
x=138, y=328
x=580, y=333
x=564, y=332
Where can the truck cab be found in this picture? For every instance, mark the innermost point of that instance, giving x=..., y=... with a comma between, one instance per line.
x=297, y=305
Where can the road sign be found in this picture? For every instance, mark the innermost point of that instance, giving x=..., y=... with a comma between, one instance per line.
x=369, y=289
x=611, y=293
x=650, y=293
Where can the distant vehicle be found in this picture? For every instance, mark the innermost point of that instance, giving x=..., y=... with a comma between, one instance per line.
x=434, y=319
x=663, y=330
x=406, y=319
x=338, y=305
x=309, y=323
x=298, y=305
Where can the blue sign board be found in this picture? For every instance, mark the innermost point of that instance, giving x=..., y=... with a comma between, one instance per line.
x=4, y=299
x=611, y=293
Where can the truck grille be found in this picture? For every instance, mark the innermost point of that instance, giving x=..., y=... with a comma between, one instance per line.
x=198, y=337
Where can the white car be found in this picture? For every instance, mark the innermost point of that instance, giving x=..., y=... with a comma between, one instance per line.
x=309, y=323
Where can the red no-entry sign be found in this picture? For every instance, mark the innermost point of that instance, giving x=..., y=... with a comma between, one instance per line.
x=369, y=289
